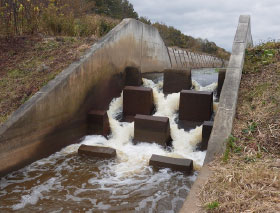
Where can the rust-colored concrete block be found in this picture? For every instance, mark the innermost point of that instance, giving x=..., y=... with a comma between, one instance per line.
x=176, y=80
x=195, y=105
x=153, y=129
x=206, y=132
x=98, y=123
x=177, y=164
x=221, y=79
x=97, y=151
x=133, y=76
x=137, y=100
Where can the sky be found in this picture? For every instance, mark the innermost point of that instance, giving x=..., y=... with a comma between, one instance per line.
x=215, y=20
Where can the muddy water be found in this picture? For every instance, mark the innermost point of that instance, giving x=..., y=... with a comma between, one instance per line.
x=66, y=182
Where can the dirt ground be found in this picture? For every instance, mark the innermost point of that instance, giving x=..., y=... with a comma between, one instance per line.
x=29, y=62
x=247, y=177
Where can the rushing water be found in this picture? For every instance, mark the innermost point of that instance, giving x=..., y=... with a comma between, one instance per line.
x=66, y=182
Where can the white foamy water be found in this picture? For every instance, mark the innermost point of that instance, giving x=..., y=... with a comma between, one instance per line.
x=209, y=88
x=67, y=182
x=133, y=158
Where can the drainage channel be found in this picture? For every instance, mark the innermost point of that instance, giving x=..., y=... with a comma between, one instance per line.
x=68, y=182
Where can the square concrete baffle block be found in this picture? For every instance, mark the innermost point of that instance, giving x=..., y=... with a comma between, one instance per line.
x=137, y=100
x=133, y=76
x=195, y=106
x=176, y=80
x=206, y=132
x=177, y=164
x=97, y=151
x=221, y=79
x=98, y=123
x=152, y=129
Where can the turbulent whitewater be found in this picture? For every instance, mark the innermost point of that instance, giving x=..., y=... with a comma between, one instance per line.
x=67, y=182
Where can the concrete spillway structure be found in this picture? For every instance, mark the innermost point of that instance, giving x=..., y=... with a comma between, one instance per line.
x=57, y=115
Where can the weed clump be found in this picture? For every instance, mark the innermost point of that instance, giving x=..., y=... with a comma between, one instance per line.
x=212, y=205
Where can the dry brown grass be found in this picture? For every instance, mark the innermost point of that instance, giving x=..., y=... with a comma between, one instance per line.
x=247, y=177
x=239, y=186
x=28, y=63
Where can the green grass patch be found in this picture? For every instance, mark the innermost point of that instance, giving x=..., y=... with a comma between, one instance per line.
x=231, y=146
x=260, y=56
x=252, y=127
x=213, y=205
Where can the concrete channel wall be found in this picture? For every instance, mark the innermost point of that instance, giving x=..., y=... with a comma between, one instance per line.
x=226, y=111
x=56, y=115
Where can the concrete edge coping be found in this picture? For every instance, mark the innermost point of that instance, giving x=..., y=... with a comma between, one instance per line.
x=192, y=202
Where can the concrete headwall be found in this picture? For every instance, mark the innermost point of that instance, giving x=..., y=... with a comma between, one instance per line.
x=56, y=115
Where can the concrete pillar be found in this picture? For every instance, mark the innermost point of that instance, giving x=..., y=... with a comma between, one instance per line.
x=172, y=57
x=97, y=151
x=195, y=60
x=133, y=76
x=98, y=123
x=137, y=100
x=191, y=59
x=177, y=164
x=221, y=79
x=202, y=60
x=152, y=129
x=199, y=60
x=205, y=60
x=182, y=59
x=178, y=59
x=208, y=61
x=206, y=132
x=187, y=59
x=176, y=80
x=195, y=106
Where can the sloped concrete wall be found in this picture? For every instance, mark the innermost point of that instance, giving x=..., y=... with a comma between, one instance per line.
x=56, y=115
x=226, y=110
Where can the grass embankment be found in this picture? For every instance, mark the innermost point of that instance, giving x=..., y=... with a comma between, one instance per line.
x=28, y=63
x=38, y=39
x=247, y=177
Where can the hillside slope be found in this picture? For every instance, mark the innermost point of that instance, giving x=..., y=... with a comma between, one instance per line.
x=247, y=177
